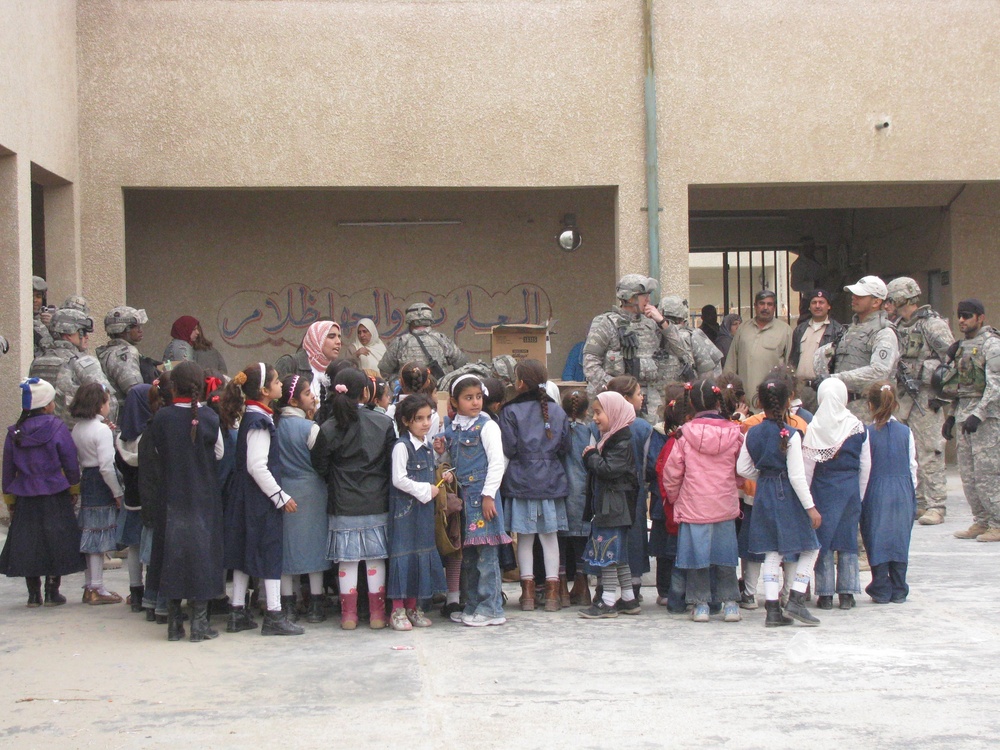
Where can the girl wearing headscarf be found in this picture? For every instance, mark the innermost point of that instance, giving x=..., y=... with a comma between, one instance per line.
x=135, y=416
x=611, y=490
x=367, y=348
x=837, y=461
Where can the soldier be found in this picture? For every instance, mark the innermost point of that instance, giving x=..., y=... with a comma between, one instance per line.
x=421, y=344
x=759, y=344
x=808, y=336
x=868, y=350
x=67, y=363
x=119, y=358
x=77, y=302
x=976, y=361
x=924, y=340
x=702, y=353
x=627, y=339
x=42, y=315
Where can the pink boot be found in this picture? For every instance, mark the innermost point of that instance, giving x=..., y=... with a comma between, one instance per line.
x=376, y=606
x=349, y=611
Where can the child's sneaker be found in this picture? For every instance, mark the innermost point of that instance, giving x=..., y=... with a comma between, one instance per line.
x=730, y=612
x=599, y=610
x=399, y=621
x=481, y=621
x=700, y=613
x=450, y=609
x=628, y=608
x=417, y=618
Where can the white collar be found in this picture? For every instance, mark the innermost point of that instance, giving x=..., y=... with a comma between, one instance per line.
x=463, y=422
x=418, y=443
x=292, y=411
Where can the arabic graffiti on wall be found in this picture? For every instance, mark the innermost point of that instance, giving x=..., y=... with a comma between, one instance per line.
x=251, y=317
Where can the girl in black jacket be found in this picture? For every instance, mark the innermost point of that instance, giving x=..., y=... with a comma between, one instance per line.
x=611, y=488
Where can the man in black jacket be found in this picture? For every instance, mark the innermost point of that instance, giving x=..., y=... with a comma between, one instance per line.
x=807, y=337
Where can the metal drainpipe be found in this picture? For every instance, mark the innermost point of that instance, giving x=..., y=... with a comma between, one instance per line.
x=652, y=191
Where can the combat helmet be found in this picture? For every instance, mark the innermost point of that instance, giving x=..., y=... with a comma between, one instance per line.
x=120, y=319
x=77, y=302
x=674, y=308
x=68, y=320
x=38, y=284
x=901, y=290
x=419, y=312
x=632, y=284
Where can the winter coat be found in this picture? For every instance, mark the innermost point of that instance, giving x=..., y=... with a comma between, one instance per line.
x=611, y=482
x=700, y=473
x=45, y=462
x=535, y=470
x=830, y=334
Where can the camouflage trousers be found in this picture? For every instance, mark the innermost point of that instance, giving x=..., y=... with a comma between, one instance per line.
x=979, y=466
x=859, y=408
x=932, y=482
x=653, y=402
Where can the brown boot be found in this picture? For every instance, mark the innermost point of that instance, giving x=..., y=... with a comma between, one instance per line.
x=581, y=591
x=552, y=595
x=527, y=594
x=972, y=532
x=563, y=592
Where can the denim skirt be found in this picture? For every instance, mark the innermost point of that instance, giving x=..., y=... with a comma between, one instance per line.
x=354, y=538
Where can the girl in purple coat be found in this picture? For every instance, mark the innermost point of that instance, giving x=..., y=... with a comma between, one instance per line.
x=39, y=467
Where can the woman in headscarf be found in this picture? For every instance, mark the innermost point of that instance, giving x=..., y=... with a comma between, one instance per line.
x=725, y=335
x=367, y=348
x=837, y=462
x=188, y=342
x=320, y=346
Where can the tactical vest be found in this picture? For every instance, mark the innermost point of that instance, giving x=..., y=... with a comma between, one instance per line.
x=48, y=365
x=644, y=349
x=911, y=334
x=970, y=363
x=855, y=347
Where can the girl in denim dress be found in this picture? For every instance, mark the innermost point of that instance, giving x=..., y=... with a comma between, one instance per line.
x=476, y=447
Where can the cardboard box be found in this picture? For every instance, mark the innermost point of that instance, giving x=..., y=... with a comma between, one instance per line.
x=521, y=342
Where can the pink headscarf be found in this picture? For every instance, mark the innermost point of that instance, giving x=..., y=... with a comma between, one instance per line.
x=312, y=342
x=620, y=413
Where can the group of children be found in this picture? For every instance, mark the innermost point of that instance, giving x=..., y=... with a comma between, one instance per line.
x=257, y=478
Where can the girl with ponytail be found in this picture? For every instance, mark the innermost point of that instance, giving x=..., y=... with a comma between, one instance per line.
x=784, y=516
x=573, y=541
x=535, y=433
x=255, y=510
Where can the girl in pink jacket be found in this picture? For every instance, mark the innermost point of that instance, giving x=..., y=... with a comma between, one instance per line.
x=701, y=483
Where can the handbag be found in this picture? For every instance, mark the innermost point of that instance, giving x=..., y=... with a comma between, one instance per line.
x=433, y=365
x=448, y=512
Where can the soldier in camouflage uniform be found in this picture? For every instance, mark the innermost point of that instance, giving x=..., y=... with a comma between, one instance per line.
x=868, y=350
x=924, y=340
x=119, y=358
x=975, y=361
x=42, y=318
x=411, y=346
x=77, y=302
x=67, y=365
x=627, y=341
x=705, y=356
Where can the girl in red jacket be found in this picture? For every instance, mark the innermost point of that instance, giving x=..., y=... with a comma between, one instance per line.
x=701, y=483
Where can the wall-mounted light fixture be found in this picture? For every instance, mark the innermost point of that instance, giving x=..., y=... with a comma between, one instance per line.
x=569, y=238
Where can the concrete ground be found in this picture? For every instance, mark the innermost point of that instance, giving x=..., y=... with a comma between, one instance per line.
x=918, y=674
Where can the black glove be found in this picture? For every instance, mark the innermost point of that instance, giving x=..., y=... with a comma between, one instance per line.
x=953, y=350
x=971, y=424
x=948, y=429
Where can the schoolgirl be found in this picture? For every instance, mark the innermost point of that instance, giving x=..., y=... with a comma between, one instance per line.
x=890, y=499
x=136, y=414
x=152, y=512
x=188, y=442
x=536, y=436
x=671, y=581
x=415, y=571
x=305, y=532
x=352, y=455
x=415, y=378
x=573, y=541
x=255, y=510
x=784, y=515
x=701, y=483
x=641, y=430
x=39, y=466
x=837, y=462
x=100, y=488
x=611, y=491
x=475, y=445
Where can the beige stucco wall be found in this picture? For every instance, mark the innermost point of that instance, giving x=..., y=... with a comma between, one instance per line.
x=223, y=255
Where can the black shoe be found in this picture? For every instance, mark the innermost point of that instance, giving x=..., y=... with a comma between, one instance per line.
x=599, y=611
x=52, y=596
x=448, y=609
x=160, y=619
x=897, y=598
x=288, y=608
x=796, y=609
x=150, y=615
x=636, y=588
x=628, y=608
x=175, y=622
x=275, y=623
x=200, y=629
x=316, y=613
x=846, y=601
x=826, y=602
x=34, y=591
x=774, y=617
x=240, y=619
x=135, y=598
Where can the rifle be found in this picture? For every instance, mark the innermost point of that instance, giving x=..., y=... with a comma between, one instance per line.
x=909, y=384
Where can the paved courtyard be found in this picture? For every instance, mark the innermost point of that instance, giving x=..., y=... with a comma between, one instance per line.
x=919, y=674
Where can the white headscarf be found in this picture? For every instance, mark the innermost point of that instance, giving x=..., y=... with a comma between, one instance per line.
x=832, y=424
x=375, y=347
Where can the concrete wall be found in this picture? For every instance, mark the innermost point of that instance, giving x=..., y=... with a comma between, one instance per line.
x=231, y=257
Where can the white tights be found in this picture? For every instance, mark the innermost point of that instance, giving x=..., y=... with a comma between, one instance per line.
x=95, y=572
x=272, y=590
x=772, y=573
x=550, y=553
x=349, y=576
x=315, y=584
